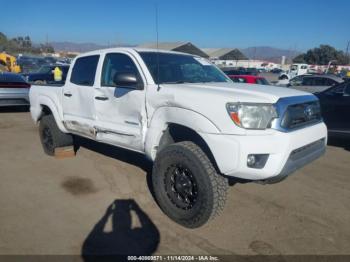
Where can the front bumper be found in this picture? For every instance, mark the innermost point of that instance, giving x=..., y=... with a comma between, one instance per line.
x=14, y=97
x=288, y=151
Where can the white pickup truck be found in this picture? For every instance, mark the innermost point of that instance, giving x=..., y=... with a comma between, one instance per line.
x=200, y=129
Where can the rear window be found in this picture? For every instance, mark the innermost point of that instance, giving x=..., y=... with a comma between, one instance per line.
x=84, y=70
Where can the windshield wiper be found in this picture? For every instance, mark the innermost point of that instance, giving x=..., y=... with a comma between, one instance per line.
x=176, y=82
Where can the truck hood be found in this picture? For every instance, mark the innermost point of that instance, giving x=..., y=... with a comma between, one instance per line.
x=210, y=99
x=235, y=92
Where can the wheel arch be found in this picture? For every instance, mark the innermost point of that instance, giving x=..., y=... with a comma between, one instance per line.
x=47, y=107
x=171, y=125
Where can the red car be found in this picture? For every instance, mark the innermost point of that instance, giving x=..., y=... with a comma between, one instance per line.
x=249, y=79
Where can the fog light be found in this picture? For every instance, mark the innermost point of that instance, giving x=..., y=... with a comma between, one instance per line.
x=257, y=160
x=251, y=160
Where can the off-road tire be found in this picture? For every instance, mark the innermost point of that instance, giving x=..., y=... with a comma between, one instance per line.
x=212, y=187
x=48, y=127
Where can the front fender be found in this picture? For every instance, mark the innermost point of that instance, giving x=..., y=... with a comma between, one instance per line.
x=164, y=116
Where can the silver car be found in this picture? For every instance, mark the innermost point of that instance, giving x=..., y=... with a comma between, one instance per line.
x=314, y=83
x=14, y=90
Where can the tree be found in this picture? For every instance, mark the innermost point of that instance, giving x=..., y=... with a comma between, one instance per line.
x=322, y=55
x=299, y=59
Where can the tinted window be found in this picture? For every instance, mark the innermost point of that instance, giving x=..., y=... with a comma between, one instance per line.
x=319, y=81
x=308, y=81
x=116, y=63
x=330, y=82
x=296, y=81
x=84, y=70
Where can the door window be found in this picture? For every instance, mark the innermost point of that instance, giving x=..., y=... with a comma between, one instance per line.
x=84, y=70
x=296, y=81
x=308, y=81
x=117, y=63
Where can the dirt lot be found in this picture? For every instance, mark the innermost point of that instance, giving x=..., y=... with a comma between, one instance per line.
x=100, y=200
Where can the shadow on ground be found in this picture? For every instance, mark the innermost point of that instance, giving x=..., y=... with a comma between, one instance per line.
x=14, y=109
x=130, y=231
x=118, y=153
x=339, y=142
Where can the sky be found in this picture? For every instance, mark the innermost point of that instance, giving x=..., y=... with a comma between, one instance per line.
x=289, y=24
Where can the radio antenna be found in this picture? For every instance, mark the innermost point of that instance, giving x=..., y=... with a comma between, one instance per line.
x=157, y=41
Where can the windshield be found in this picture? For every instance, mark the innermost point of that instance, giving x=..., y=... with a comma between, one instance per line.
x=45, y=69
x=177, y=69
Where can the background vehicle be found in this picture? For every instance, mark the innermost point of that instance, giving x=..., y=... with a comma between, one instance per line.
x=239, y=71
x=45, y=75
x=249, y=79
x=8, y=63
x=13, y=90
x=314, y=83
x=185, y=115
x=276, y=71
x=295, y=70
x=335, y=105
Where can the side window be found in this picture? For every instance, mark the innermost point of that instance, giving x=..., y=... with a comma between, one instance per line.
x=117, y=63
x=308, y=81
x=319, y=81
x=84, y=70
x=296, y=81
x=330, y=82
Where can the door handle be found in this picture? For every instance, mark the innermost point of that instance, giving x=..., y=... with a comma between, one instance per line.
x=67, y=94
x=101, y=98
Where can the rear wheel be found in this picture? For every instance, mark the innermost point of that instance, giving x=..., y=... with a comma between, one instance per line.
x=51, y=136
x=187, y=186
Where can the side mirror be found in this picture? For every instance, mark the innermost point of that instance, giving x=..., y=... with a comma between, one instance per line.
x=128, y=80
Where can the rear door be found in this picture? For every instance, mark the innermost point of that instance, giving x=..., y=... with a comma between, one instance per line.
x=120, y=110
x=78, y=96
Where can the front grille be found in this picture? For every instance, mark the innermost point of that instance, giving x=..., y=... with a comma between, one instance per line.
x=305, y=150
x=299, y=115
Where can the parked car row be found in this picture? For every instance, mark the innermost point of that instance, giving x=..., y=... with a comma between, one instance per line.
x=45, y=74
x=14, y=90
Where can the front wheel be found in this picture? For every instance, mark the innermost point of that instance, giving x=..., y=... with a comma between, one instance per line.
x=186, y=185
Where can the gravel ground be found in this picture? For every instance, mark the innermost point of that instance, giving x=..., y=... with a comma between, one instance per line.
x=100, y=200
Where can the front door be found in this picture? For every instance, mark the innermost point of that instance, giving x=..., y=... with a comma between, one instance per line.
x=120, y=110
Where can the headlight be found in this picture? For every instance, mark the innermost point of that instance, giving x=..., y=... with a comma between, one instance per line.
x=251, y=116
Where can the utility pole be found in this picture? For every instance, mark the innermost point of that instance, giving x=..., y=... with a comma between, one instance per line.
x=347, y=52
